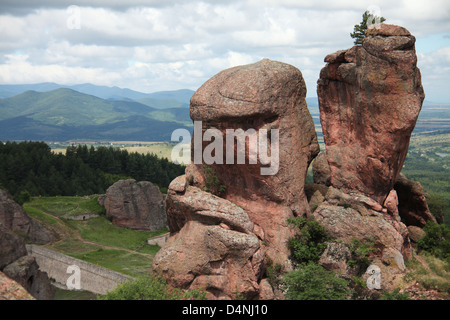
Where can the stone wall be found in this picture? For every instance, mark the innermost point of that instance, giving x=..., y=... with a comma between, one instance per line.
x=159, y=240
x=93, y=278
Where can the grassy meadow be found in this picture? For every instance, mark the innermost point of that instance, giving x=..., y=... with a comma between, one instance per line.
x=94, y=240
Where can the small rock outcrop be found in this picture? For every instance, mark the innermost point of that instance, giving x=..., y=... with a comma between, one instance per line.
x=413, y=207
x=352, y=215
x=14, y=217
x=321, y=170
x=25, y=271
x=406, y=202
x=135, y=205
x=11, y=290
x=222, y=243
x=212, y=246
x=369, y=98
x=18, y=266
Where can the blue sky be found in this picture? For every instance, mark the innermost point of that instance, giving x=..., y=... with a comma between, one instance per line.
x=168, y=44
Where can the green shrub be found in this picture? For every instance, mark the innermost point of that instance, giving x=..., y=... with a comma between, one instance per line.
x=149, y=288
x=274, y=271
x=22, y=197
x=360, y=253
x=394, y=295
x=212, y=182
x=313, y=282
x=436, y=240
x=310, y=243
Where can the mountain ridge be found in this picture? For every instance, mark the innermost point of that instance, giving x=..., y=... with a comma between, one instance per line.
x=64, y=113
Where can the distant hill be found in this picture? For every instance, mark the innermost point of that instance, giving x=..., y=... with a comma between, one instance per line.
x=160, y=99
x=103, y=92
x=49, y=111
x=64, y=114
x=168, y=99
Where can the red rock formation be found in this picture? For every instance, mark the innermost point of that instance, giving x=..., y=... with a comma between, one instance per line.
x=264, y=95
x=369, y=98
x=13, y=217
x=220, y=243
x=135, y=205
x=12, y=247
x=212, y=246
x=321, y=170
x=15, y=263
x=25, y=271
x=352, y=215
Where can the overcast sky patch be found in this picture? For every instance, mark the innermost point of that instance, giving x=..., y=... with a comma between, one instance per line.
x=167, y=45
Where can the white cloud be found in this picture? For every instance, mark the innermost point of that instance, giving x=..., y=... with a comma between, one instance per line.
x=17, y=69
x=435, y=69
x=163, y=45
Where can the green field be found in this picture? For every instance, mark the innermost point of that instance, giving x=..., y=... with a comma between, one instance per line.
x=95, y=240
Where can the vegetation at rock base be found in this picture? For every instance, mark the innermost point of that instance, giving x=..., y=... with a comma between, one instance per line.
x=312, y=282
x=309, y=280
x=394, y=295
x=436, y=240
x=430, y=272
x=359, y=30
x=150, y=288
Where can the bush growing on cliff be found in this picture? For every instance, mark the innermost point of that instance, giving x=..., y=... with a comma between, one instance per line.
x=310, y=243
x=212, y=182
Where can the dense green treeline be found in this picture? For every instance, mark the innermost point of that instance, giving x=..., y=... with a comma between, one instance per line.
x=31, y=168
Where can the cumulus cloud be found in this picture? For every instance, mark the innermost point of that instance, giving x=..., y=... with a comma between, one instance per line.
x=163, y=45
x=435, y=69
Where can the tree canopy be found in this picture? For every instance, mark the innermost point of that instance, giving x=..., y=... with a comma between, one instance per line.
x=32, y=169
